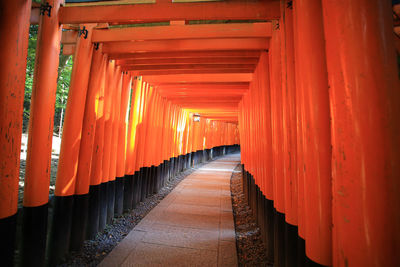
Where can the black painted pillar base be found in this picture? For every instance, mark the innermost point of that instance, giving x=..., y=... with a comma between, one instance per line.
x=119, y=196
x=269, y=228
x=79, y=222
x=103, y=206
x=279, y=239
x=61, y=229
x=8, y=229
x=136, y=189
x=301, y=252
x=290, y=244
x=34, y=235
x=128, y=193
x=110, y=201
x=93, y=212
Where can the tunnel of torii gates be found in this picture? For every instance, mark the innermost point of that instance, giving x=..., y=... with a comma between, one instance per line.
x=309, y=88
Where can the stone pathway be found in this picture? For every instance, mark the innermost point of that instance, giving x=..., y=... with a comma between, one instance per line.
x=192, y=226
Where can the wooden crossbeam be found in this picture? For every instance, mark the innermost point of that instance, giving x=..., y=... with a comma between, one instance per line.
x=193, y=60
x=187, y=54
x=199, y=78
x=202, y=31
x=167, y=11
x=186, y=45
x=188, y=67
x=187, y=71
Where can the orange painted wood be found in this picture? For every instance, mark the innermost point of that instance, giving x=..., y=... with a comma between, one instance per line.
x=276, y=121
x=364, y=97
x=196, y=78
x=72, y=130
x=289, y=115
x=89, y=124
x=186, y=54
x=187, y=45
x=69, y=49
x=188, y=67
x=233, y=10
x=115, y=113
x=41, y=122
x=192, y=60
x=96, y=171
x=70, y=37
x=317, y=145
x=200, y=31
x=13, y=50
x=189, y=71
x=108, y=99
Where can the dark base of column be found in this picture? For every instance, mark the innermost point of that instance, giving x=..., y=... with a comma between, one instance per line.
x=136, y=189
x=119, y=196
x=290, y=244
x=61, y=229
x=8, y=228
x=142, y=185
x=103, y=206
x=283, y=245
x=34, y=235
x=110, y=201
x=79, y=222
x=128, y=193
x=93, y=211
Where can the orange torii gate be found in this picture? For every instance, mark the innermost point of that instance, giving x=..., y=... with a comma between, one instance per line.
x=310, y=86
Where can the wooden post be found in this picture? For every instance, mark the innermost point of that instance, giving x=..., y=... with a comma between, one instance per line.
x=14, y=29
x=365, y=105
x=317, y=145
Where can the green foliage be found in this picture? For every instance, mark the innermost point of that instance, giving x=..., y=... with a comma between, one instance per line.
x=64, y=76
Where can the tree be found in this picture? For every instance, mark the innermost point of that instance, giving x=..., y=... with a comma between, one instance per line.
x=64, y=76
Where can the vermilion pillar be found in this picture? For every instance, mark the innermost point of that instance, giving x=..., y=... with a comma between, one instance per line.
x=317, y=145
x=276, y=120
x=81, y=198
x=289, y=114
x=97, y=159
x=70, y=144
x=41, y=122
x=365, y=104
x=14, y=29
x=121, y=143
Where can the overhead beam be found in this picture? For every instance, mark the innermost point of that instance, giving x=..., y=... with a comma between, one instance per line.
x=188, y=67
x=187, y=54
x=193, y=60
x=167, y=11
x=186, y=45
x=199, y=86
x=192, y=78
x=200, y=31
x=187, y=71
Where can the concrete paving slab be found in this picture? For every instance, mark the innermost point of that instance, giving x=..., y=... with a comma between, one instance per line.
x=192, y=226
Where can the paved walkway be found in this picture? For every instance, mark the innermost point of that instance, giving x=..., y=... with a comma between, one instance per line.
x=192, y=226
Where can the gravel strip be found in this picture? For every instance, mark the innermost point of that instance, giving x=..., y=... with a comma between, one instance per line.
x=250, y=247
x=94, y=251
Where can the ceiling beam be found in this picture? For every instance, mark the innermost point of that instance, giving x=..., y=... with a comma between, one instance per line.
x=188, y=67
x=193, y=60
x=200, y=31
x=187, y=54
x=187, y=71
x=167, y=11
x=186, y=45
x=193, y=78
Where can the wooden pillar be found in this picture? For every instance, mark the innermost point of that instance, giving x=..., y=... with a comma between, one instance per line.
x=365, y=103
x=70, y=144
x=14, y=29
x=317, y=145
x=81, y=198
x=40, y=137
x=121, y=143
x=97, y=158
